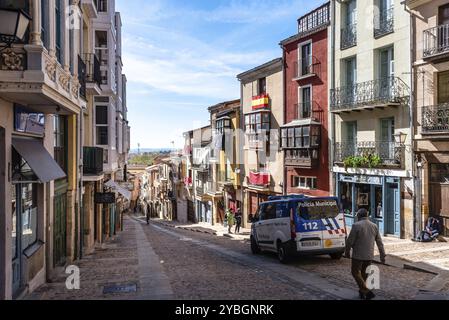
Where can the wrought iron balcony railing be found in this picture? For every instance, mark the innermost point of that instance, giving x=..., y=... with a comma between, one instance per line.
x=93, y=160
x=348, y=36
x=310, y=109
x=435, y=119
x=375, y=92
x=389, y=152
x=307, y=67
x=93, y=72
x=384, y=22
x=82, y=75
x=436, y=41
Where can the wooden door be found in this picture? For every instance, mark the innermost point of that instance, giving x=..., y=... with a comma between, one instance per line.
x=60, y=224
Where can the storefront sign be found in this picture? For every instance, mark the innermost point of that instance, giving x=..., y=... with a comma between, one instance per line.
x=104, y=198
x=361, y=179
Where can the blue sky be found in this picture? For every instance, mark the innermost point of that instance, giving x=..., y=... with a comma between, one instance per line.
x=180, y=57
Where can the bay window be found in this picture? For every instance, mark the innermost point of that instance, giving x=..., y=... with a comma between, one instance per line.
x=257, y=126
x=301, y=144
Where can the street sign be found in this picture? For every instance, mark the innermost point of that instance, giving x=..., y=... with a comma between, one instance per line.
x=104, y=198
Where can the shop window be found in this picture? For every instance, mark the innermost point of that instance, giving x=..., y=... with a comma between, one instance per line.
x=28, y=121
x=346, y=197
x=363, y=192
x=439, y=173
x=29, y=214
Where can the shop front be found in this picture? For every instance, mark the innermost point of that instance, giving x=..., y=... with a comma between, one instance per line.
x=204, y=211
x=377, y=194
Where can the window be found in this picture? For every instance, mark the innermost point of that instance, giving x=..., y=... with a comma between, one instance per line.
x=101, y=120
x=443, y=87
x=306, y=102
x=28, y=208
x=318, y=209
x=439, y=173
x=102, y=5
x=60, y=141
x=44, y=23
x=274, y=211
x=306, y=59
x=222, y=124
x=257, y=125
x=301, y=137
x=58, y=26
x=262, y=86
x=306, y=183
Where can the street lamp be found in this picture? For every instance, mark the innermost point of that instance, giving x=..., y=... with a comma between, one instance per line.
x=13, y=26
x=400, y=138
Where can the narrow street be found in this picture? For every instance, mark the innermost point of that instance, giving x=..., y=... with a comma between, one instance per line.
x=158, y=262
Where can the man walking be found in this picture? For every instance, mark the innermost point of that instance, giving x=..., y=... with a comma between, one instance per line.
x=238, y=220
x=361, y=240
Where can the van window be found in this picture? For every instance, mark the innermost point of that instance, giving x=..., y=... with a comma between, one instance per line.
x=318, y=209
x=271, y=211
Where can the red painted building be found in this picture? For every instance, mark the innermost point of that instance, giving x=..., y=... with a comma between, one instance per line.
x=304, y=137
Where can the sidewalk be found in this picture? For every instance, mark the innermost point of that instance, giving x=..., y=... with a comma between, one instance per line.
x=217, y=230
x=126, y=268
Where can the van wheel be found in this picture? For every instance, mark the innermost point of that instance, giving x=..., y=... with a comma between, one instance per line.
x=282, y=251
x=255, y=249
x=336, y=256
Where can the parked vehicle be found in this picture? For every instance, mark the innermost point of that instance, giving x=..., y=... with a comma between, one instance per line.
x=299, y=225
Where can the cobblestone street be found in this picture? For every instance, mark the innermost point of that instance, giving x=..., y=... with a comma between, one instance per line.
x=160, y=262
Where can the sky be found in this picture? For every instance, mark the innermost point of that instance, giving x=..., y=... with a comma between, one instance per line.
x=180, y=57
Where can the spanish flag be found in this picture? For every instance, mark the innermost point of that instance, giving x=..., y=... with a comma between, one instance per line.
x=261, y=102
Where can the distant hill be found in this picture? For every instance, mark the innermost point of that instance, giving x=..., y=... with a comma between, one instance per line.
x=151, y=150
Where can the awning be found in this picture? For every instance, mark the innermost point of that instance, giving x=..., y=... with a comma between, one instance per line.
x=113, y=185
x=40, y=161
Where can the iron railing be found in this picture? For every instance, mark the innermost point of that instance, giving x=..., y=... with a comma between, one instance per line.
x=384, y=22
x=435, y=118
x=82, y=74
x=436, y=41
x=310, y=109
x=92, y=160
x=380, y=91
x=315, y=19
x=307, y=67
x=93, y=72
x=390, y=152
x=348, y=36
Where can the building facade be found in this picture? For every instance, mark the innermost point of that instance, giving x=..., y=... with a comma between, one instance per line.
x=430, y=83
x=47, y=124
x=305, y=134
x=370, y=105
x=262, y=111
x=225, y=187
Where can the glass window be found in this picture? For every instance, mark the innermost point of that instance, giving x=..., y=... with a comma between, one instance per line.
x=262, y=86
x=346, y=197
x=14, y=222
x=29, y=215
x=318, y=209
x=60, y=141
x=439, y=173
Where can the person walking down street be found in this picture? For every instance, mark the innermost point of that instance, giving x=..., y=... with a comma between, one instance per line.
x=238, y=220
x=361, y=240
x=230, y=218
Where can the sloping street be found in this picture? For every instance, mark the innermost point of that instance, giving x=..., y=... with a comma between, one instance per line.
x=160, y=262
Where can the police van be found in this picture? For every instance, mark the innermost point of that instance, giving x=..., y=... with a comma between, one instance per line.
x=297, y=224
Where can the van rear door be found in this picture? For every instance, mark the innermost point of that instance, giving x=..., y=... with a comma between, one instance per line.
x=309, y=228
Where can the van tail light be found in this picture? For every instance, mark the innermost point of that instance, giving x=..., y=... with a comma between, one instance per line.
x=344, y=225
x=292, y=226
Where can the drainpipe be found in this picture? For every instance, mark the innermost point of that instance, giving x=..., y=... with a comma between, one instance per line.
x=80, y=187
x=332, y=87
x=284, y=106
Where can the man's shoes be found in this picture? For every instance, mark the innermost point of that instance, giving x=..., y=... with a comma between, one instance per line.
x=370, y=295
x=366, y=296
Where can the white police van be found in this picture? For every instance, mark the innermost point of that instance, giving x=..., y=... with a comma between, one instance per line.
x=296, y=224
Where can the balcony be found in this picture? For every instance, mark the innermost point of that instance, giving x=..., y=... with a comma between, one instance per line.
x=259, y=179
x=384, y=22
x=436, y=43
x=90, y=8
x=348, y=36
x=390, y=91
x=315, y=20
x=93, y=74
x=82, y=74
x=92, y=161
x=310, y=109
x=369, y=154
x=306, y=158
x=305, y=68
x=435, y=119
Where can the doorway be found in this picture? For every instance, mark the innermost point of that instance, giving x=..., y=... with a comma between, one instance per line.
x=60, y=224
x=392, y=210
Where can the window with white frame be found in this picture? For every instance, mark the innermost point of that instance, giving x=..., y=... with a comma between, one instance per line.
x=306, y=183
